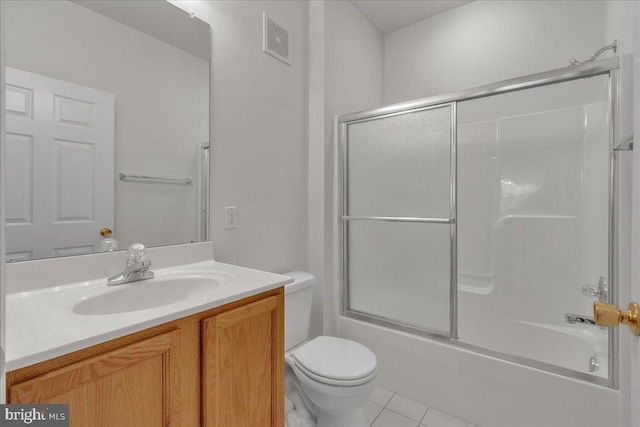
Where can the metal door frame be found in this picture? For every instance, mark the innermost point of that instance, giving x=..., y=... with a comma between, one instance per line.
x=451, y=221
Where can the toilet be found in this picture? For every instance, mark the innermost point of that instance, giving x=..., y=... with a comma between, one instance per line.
x=328, y=379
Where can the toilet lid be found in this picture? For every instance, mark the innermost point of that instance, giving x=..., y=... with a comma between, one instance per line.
x=336, y=358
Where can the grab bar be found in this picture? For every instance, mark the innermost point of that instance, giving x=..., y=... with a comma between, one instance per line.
x=154, y=178
x=399, y=219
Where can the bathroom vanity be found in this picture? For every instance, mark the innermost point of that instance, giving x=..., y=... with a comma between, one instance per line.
x=224, y=365
x=200, y=344
x=209, y=358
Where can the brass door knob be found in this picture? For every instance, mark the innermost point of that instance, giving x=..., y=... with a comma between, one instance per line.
x=609, y=315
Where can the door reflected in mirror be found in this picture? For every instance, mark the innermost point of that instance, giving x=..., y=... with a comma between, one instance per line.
x=98, y=92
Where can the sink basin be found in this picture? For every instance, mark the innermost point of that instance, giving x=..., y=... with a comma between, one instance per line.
x=147, y=294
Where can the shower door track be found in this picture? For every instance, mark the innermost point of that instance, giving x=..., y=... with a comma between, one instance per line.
x=608, y=66
x=531, y=81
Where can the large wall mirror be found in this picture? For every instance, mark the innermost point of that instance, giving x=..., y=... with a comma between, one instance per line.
x=107, y=111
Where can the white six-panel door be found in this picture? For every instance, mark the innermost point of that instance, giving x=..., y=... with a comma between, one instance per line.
x=59, y=166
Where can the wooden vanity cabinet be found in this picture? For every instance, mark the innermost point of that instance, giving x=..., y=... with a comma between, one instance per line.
x=220, y=368
x=243, y=366
x=138, y=384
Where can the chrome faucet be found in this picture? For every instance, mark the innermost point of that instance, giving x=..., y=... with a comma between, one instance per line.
x=577, y=318
x=137, y=267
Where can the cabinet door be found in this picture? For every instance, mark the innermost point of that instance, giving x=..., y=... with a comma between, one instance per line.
x=137, y=385
x=243, y=366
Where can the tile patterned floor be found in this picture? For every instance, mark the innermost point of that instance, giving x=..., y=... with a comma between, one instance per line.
x=388, y=409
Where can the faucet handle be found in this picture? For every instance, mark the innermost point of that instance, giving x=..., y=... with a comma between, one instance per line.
x=601, y=291
x=144, y=264
x=137, y=254
x=591, y=291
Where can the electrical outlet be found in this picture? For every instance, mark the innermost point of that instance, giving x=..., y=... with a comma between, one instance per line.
x=230, y=217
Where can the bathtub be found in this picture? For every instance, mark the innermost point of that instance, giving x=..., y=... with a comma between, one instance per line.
x=475, y=382
x=569, y=347
x=548, y=339
x=485, y=390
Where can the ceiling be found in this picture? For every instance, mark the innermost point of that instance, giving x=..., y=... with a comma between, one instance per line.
x=391, y=15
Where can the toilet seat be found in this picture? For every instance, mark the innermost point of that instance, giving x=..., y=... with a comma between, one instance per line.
x=336, y=361
x=332, y=381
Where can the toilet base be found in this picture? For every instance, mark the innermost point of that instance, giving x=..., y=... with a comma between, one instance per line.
x=354, y=418
x=295, y=419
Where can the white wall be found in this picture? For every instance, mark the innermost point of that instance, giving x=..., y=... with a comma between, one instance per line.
x=259, y=134
x=618, y=24
x=272, y=132
x=353, y=61
x=351, y=66
x=316, y=197
x=161, y=106
x=488, y=41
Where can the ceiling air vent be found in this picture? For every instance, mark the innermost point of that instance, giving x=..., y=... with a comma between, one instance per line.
x=276, y=40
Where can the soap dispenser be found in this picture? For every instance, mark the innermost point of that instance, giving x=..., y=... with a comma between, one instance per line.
x=108, y=244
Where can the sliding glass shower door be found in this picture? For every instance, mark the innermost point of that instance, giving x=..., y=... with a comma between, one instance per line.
x=534, y=177
x=399, y=216
x=532, y=163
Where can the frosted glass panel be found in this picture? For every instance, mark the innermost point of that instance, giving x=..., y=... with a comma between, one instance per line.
x=401, y=272
x=400, y=166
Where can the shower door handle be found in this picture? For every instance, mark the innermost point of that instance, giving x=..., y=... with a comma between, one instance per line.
x=609, y=315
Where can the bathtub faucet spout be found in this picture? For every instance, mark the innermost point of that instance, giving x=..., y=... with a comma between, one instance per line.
x=576, y=318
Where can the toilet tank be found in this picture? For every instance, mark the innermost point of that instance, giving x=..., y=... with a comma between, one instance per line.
x=297, y=308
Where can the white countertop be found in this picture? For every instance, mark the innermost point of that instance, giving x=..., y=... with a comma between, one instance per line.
x=42, y=324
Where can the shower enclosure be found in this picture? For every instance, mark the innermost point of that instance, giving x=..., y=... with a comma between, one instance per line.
x=487, y=218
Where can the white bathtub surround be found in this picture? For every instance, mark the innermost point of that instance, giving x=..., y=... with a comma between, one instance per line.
x=532, y=169
x=400, y=411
